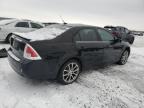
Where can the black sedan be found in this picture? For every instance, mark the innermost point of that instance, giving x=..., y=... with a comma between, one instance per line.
x=62, y=51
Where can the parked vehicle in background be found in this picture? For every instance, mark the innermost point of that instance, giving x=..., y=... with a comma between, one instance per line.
x=121, y=32
x=50, y=23
x=62, y=51
x=138, y=33
x=7, y=27
x=4, y=18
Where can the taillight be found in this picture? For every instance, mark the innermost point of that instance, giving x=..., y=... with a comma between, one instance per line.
x=30, y=53
x=115, y=33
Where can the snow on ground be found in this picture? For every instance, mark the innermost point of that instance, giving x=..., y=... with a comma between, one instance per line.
x=3, y=45
x=110, y=87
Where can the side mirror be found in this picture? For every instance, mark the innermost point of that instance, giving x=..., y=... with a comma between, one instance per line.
x=129, y=32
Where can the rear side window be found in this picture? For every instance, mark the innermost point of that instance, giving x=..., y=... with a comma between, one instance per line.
x=22, y=24
x=105, y=36
x=86, y=35
x=35, y=25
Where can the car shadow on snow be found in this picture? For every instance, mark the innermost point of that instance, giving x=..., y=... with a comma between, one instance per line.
x=17, y=80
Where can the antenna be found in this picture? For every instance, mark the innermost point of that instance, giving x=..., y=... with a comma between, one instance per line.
x=63, y=20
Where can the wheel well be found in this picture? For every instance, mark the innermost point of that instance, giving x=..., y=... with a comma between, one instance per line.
x=77, y=59
x=73, y=58
x=8, y=35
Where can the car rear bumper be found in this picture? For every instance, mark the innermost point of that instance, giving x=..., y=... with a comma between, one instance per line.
x=39, y=69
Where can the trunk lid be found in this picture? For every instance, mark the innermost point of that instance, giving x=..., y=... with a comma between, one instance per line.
x=18, y=45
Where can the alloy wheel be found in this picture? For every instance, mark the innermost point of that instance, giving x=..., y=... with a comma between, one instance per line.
x=124, y=57
x=71, y=72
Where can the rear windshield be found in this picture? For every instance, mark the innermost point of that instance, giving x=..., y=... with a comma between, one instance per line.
x=47, y=33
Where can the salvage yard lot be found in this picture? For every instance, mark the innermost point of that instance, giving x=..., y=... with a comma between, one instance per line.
x=109, y=87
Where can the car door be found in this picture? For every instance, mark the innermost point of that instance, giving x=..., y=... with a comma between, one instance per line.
x=112, y=48
x=22, y=27
x=89, y=46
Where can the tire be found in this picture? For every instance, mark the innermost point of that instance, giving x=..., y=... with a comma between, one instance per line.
x=7, y=40
x=69, y=72
x=3, y=53
x=131, y=41
x=124, y=58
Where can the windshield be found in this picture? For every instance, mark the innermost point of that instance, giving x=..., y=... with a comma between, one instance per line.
x=6, y=22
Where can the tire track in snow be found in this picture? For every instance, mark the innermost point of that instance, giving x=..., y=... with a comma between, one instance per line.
x=106, y=86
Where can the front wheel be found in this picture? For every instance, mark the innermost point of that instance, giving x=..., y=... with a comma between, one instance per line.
x=124, y=57
x=131, y=41
x=69, y=72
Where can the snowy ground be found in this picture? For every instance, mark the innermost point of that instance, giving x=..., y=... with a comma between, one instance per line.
x=111, y=87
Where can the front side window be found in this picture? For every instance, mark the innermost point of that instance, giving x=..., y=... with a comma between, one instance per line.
x=22, y=24
x=35, y=25
x=86, y=35
x=105, y=36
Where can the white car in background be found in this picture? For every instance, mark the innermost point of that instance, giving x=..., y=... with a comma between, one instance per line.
x=7, y=27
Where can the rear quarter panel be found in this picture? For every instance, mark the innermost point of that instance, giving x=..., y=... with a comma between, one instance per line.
x=61, y=52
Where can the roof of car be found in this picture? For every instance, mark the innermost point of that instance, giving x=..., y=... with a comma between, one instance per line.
x=114, y=27
x=109, y=26
x=70, y=25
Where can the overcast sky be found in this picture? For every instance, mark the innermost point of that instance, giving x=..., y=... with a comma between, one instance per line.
x=129, y=13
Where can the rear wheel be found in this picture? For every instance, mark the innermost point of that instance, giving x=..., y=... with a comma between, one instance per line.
x=124, y=57
x=69, y=72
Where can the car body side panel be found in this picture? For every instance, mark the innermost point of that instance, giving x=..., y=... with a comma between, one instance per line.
x=112, y=51
x=60, y=52
x=91, y=53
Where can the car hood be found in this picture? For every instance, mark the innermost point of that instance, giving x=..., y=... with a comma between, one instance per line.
x=42, y=34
